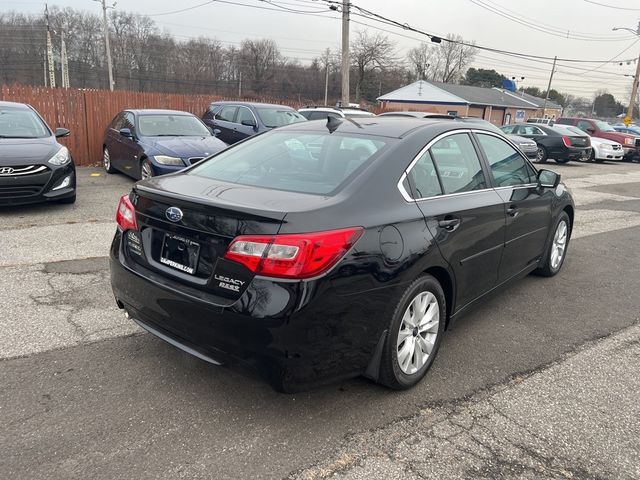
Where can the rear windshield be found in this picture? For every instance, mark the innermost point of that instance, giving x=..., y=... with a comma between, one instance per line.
x=306, y=162
x=566, y=131
x=278, y=117
x=162, y=125
x=21, y=123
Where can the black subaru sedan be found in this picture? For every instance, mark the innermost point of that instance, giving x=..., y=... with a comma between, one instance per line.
x=34, y=167
x=327, y=250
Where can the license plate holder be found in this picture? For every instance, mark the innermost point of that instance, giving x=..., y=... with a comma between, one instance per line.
x=180, y=253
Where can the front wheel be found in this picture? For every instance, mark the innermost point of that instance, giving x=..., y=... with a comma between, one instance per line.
x=146, y=169
x=415, y=332
x=557, y=249
x=106, y=161
x=541, y=154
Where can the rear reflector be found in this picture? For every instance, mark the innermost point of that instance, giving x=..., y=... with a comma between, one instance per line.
x=300, y=255
x=126, y=214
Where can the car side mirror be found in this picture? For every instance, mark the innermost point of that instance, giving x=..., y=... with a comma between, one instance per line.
x=216, y=131
x=249, y=123
x=62, y=132
x=548, y=179
x=126, y=132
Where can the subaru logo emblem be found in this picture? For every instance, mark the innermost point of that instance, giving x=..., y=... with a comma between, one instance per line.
x=6, y=170
x=174, y=214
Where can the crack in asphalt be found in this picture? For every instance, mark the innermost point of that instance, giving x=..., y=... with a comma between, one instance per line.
x=468, y=432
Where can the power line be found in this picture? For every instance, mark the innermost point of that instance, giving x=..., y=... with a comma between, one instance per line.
x=613, y=6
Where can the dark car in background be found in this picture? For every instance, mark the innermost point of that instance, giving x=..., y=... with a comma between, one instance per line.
x=554, y=142
x=296, y=254
x=147, y=143
x=34, y=167
x=235, y=121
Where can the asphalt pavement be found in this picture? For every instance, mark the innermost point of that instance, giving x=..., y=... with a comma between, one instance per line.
x=86, y=394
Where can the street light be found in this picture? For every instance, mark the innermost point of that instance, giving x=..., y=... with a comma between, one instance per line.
x=634, y=89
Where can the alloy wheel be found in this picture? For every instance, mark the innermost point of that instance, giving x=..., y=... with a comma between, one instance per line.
x=559, y=245
x=146, y=171
x=540, y=155
x=106, y=160
x=418, y=332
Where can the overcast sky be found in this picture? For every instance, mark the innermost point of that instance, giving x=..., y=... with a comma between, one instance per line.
x=305, y=36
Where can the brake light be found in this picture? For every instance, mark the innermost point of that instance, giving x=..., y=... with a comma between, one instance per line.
x=301, y=255
x=566, y=140
x=126, y=214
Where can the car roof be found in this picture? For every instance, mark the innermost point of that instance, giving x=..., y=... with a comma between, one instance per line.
x=20, y=106
x=251, y=104
x=394, y=127
x=156, y=111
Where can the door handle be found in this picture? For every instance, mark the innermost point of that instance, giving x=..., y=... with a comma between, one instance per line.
x=449, y=224
x=512, y=211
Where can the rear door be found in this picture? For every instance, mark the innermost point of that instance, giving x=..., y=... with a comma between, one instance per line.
x=528, y=209
x=464, y=215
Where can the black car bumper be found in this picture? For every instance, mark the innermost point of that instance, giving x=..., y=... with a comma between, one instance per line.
x=38, y=187
x=296, y=334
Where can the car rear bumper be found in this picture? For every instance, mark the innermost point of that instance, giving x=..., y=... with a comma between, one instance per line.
x=297, y=335
x=38, y=188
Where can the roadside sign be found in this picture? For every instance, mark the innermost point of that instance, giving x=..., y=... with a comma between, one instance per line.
x=627, y=120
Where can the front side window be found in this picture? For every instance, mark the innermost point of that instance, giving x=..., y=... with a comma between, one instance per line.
x=171, y=126
x=585, y=126
x=118, y=122
x=226, y=114
x=508, y=129
x=21, y=123
x=129, y=121
x=306, y=162
x=529, y=130
x=245, y=115
x=507, y=165
x=458, y=164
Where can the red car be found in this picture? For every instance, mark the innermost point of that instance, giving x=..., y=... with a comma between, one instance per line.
x=597, y=128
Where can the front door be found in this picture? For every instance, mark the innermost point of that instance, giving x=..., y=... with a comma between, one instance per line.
x=528, y=208
x=465, y=216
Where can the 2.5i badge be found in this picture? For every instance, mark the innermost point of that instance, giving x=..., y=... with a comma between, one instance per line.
x=230, y=279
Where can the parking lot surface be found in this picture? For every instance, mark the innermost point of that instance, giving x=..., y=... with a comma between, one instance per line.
x=86, y=394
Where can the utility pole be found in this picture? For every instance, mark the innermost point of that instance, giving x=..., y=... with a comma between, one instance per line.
x=345, y=53
x=45, y=69
x=106, y=41
x=52, y=72
x=240, y=86
x=326, y=78
x=64, y=61
x=546, y=97
x=634, y=90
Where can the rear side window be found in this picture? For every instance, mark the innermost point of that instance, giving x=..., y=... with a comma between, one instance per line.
x=424, y=177
x=316, y=163
x=507, y=165
x=226, y=114
x=458, y=164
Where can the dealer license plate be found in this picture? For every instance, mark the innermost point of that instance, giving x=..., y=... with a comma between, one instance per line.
x=180, y=253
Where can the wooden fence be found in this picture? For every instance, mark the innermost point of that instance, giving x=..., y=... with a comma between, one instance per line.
x=88, y=112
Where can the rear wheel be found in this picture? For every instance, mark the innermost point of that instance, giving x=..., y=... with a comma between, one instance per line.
x=106, y=161
x=557, y=250
x=562, y=160
x=541, y=155
x=590, y=158
x=414, y=334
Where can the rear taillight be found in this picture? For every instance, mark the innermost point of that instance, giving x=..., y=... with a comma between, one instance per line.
x=566, y=140
x=126, y=214
x=300, y=255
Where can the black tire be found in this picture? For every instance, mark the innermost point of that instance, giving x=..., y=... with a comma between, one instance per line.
x=146, y=164
x=542, y=155
x=391, y=372
x=106, y=161
x=590, y=158
x=563, y=160
x=547, y=269
x=68, y=200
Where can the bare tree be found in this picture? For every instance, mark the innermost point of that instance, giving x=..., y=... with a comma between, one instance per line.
x=421, y=61
x=452, y=59
x=369, y=52
x=259, y=60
